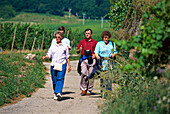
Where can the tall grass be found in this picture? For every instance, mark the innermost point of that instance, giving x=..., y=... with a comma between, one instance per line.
x=19, y=76
x=135, y=94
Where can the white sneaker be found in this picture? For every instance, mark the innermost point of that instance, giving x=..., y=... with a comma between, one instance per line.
x=55, y=98
x=58, y=96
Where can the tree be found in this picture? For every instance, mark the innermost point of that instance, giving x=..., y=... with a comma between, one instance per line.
x=6, y=10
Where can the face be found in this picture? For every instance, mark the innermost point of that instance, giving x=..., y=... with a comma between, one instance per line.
x=58, y=38
x=62, y=31
x=106, y=39
x=88, y=34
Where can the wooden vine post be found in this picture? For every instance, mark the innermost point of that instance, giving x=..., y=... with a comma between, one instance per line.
x=42, y=41
x=14, y=38
x=23, y=49
x=34, y=42
x=67, y=33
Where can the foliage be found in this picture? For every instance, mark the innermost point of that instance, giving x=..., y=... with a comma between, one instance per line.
x=133, y=93
x=150, y=42
x=92, y=8
x=76, y=32
x=6, y=10
x=7, y=34
x=19, y=76
x=127, y=15
x=143, y=83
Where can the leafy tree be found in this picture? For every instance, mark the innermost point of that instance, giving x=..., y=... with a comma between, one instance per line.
x=93, y=8
x=6, y=10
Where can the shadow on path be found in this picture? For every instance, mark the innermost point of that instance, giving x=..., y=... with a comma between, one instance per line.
x=67, y=92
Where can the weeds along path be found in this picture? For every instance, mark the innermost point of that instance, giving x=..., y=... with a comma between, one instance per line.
x=42, y=102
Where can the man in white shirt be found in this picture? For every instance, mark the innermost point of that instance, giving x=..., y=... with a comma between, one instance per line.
x=64, y=40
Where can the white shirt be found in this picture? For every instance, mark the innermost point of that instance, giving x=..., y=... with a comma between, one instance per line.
x=64, y=41
x=59, y=53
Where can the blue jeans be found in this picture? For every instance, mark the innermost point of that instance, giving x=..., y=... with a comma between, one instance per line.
x=58, y=78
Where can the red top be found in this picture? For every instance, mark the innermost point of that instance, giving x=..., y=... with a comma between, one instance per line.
x=87, y=45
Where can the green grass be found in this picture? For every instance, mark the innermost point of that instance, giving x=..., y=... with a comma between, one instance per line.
x=19, y=76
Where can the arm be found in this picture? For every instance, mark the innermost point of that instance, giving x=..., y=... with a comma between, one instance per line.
x=96, y=51
x=49, y=53
x=97, y=56
x=69, y=66
x=69, y=47
x=67, y=58
x=45, y=57
x=115, y=51
x=79, y=48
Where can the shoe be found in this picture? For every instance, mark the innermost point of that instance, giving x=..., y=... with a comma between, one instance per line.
x=55, y=98
x=58, y=96
x=88, y=93
x=83, y=92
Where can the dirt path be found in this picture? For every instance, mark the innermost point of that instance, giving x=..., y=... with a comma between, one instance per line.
x=41, y=102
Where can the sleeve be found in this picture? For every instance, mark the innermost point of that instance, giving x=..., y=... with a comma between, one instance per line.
x=49, y=53
x=97, y=48
x=69, y=44
x=53, y=42
x=115, y=51
x=67, y=53
x=79, y=45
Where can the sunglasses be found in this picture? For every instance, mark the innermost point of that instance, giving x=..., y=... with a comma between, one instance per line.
x=57, y=37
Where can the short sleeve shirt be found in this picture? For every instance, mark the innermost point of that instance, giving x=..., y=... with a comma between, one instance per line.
x=105, y=50
x=87, y=45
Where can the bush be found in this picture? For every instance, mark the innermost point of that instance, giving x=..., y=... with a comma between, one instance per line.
x=18, y=78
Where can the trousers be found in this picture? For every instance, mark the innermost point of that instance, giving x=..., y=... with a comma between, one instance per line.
x=86, y=69
x=58, y=78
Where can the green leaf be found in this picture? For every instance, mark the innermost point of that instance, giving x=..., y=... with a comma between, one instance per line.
x=142, y=27
x=158, y=37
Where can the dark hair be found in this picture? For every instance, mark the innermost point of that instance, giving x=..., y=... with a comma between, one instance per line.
x=58, y=32
x=107, y=33
x=61, y=28
x=88, y=30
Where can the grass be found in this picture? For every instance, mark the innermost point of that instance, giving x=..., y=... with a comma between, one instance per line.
x=19, y=76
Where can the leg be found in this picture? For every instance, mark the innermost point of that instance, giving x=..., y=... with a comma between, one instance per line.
x=83, y=83
x=60, y=79
x=53, y=73
x=91, y=81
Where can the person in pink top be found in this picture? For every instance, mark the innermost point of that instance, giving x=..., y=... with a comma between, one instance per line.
x=86, y=47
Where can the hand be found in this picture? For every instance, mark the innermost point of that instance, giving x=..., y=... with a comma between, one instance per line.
x=98, y=57
x=69, y=68
x=112, y=55
x=93, y=56
x=43, y=57
x=81, y=48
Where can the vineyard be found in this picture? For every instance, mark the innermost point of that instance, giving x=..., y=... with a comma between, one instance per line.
x=21, y=36
x=140, y=29
x=30, y=36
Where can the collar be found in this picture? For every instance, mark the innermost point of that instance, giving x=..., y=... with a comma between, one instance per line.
x=88, y=41
x=104, y=42
x=59, y=44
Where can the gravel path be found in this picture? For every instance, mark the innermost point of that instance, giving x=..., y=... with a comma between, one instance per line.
x=41, y=102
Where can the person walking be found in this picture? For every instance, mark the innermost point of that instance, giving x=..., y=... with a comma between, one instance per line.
x=64, y=40
x=105, y=52
x=60, y=58
x=86, y=48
